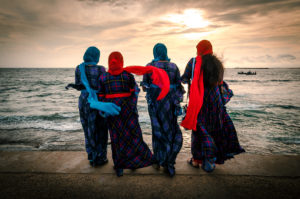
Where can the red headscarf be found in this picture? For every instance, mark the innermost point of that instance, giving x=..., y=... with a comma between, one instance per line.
x=204, y=47
x=159, y=77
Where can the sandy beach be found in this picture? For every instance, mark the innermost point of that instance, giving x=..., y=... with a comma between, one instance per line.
x=61, y=174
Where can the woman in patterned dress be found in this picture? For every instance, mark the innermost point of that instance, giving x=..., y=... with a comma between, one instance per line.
x=94, y=126
x=118, y=85
x=166, y=134
x=214, y=138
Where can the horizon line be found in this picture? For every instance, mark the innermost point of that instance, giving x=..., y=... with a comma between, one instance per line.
x=16, y=67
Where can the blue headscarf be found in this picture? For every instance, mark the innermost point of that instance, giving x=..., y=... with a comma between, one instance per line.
x=92, y=54
x=90, y=57
x=160, y=52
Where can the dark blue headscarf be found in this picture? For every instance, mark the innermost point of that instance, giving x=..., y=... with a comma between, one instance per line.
x=92, y=54
x=160, y=52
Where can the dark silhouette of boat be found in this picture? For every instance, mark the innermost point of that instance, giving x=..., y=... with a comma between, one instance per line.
x=247, y=73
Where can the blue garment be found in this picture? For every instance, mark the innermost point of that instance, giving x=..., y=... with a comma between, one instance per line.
x=94, y=126
x=166, y=134
x=160, y=52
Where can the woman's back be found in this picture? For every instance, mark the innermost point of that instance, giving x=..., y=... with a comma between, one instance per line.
x=166, y=134
x=92, y=73
x=113, y=84
x=171, y=69
x=174, y=77
x=214, y=138
x=212, y=68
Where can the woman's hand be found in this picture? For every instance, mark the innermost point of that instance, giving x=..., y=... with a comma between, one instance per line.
x=107, y=108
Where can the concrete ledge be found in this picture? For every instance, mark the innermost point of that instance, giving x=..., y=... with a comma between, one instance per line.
x=76, y=162
x=67, y=174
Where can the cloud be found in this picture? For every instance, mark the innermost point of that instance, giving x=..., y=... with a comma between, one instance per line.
x=271, y=59
x=63, y=29
x=286, y=57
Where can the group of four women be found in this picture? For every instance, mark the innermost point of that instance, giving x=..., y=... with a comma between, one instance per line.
x=108, y=101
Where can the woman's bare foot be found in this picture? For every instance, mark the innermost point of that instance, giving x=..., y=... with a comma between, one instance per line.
x=193, y=163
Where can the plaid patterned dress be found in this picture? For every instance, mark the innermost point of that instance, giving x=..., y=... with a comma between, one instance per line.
x=94, y=126
x=129, y=151
x=216, y=136
x=166, y=134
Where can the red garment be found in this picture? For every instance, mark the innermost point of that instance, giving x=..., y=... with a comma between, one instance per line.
x=117, y=95
x=204, y=47
x=159, y=77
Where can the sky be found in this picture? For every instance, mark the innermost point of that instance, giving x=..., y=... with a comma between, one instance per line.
x=56, y=33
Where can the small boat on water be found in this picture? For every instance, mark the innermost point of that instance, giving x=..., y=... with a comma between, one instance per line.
x=247, y=73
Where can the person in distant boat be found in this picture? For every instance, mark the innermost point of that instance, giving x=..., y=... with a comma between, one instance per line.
x=214, y=138
x=166, y=134
x=118, y=86
x=94, y=126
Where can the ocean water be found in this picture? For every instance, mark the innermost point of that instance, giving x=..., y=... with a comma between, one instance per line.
x=37, y=113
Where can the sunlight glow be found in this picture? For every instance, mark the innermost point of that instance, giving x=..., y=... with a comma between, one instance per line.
x=196, y=35
x=191, y=18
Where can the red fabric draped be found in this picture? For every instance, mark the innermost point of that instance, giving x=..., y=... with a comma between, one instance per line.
x=159, y=77
x=204, y=47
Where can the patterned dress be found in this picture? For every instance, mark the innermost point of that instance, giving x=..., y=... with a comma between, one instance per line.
x=129, y=151
x=94, y=126
x=216, y=137
x=166, y=134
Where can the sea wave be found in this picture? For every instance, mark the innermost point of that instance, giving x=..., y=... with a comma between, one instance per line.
x=3, y=89
x=44, y=95
x=50, y=117
x=283, y=106
x=49, y=83
x=44, y=125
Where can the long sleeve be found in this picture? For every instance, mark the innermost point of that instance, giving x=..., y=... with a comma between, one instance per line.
x=179, y=88
x=186, y=77
x=177, y=76
x=101, y=88
x=78, y=85
x=146, y=79
x=133, y=85
x=77, y=76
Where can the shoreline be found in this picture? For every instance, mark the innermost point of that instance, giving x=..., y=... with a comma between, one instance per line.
x=52, y=174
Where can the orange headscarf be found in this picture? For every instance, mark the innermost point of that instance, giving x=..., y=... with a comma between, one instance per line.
x=159, y=77
x=204, y=47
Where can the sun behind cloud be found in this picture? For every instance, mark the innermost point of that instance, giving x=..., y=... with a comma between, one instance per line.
x=190, y=18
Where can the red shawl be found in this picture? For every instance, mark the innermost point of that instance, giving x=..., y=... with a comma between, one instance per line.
x=159, y=77
x=204, y=47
